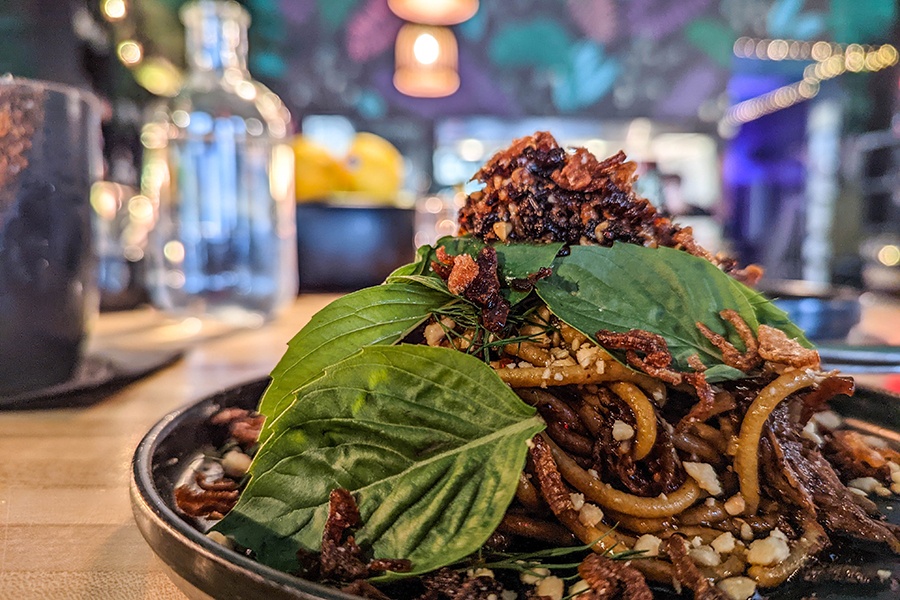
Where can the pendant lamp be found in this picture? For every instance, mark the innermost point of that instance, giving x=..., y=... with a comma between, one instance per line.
x=434, y=12
x=426, y=61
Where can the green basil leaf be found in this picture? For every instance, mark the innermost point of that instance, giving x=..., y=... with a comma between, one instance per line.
x=429, y=441
x=434, y=283
x=378, y=315
x=661, y=290
x=723, y=373
x=518, y=261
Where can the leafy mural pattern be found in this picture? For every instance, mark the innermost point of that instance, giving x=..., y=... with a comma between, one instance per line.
x=609, y=58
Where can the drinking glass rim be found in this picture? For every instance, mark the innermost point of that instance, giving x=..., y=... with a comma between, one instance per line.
x=52, y=86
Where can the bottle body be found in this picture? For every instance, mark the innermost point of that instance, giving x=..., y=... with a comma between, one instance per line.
x=218, y=171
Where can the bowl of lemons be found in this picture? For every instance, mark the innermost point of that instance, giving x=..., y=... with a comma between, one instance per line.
x=355, y=223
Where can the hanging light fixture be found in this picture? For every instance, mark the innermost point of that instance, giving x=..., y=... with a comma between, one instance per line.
x=426, y=61
x=434, y=12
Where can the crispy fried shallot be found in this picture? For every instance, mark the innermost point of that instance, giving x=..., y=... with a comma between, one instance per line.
x=731, y=356
x=776, y=346
x=657, y=357
x=610, y=579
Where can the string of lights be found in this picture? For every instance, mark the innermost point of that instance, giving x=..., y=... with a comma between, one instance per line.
x=779, y=49
x=831, y=60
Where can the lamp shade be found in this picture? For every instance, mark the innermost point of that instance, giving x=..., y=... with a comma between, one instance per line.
x=426, y=61
x=434, y=12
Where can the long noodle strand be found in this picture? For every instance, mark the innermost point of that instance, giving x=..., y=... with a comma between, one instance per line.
x=664, y=505
x=644, y=414
x=746, y=460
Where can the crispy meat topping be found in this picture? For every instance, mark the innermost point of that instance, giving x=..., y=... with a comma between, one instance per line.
x=657, y=357
x=464, y=272
x=211, y=500
x=550, y=481
x=776, y=346
x=687, y=573
x=731, y=356
x=476, y=280
x=341, y=557
x=610, y=579
x=546, y=194
x=243, y=425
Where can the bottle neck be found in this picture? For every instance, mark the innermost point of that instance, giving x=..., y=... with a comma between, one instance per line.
x=215, y=36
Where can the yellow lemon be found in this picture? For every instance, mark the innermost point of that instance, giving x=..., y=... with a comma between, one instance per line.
x=317, y=174
x=375, y=166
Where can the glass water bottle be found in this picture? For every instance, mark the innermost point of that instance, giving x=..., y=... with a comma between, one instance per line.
x=218, y=170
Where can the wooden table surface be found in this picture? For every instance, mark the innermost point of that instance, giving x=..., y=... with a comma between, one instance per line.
x=66, y=529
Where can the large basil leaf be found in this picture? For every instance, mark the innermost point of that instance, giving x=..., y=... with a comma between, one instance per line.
x=429, y=440
x=378, y=315
x=662, y=290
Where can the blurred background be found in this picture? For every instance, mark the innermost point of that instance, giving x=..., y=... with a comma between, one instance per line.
x=770, y=126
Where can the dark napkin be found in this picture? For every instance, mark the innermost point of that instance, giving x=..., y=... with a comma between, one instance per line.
x=98, y=375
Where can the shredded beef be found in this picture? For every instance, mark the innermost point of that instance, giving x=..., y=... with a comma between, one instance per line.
x=852, y=457
x=837, y=510
x=827, y=389
x=547, y=194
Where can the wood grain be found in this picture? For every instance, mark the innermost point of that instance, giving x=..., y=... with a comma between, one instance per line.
x=66, y=530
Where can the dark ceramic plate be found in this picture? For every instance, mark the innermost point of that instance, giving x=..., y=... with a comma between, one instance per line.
x=205, y=569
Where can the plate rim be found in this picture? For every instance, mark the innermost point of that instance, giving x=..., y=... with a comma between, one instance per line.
x=148, y=504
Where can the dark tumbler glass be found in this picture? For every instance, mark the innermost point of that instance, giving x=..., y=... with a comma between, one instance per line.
x=50, y=154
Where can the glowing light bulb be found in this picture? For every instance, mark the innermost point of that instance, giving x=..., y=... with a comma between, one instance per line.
x=114, y=10
x=426, y=49
x=889, y=255
x=130, y=52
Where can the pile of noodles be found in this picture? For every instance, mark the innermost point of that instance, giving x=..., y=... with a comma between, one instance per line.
x=636, y=455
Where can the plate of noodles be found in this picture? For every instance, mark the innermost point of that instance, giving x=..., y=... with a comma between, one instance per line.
x=571, y=398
